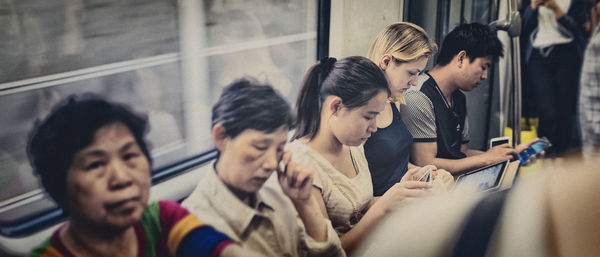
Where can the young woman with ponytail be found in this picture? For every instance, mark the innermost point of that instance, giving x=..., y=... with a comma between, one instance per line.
x=336, y=113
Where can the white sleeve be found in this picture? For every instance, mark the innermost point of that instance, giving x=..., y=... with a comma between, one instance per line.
x=419, y=117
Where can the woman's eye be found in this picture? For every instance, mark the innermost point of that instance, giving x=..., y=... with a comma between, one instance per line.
x=261, y=148
x=94, y=165
x=130, y=156
x=368, y=118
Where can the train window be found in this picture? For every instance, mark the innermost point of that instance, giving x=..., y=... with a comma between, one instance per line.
x=168, y=59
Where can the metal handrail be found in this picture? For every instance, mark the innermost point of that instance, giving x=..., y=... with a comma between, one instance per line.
x=512, y=25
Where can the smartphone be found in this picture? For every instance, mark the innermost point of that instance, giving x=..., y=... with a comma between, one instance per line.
x=499, y=141
x=533, y=149
x=426, y=176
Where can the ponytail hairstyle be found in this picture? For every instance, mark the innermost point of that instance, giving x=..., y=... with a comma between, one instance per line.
x=355, y=79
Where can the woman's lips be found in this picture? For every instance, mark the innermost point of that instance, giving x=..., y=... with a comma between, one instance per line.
x=123, y=205
x=260, y=180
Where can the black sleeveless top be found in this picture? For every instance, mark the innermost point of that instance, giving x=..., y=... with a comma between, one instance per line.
x=387, y=152
x=449, y=120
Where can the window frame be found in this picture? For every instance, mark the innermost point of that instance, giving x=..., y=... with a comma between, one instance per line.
x=42, y=222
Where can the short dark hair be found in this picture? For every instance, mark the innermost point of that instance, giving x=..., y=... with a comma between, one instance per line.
x=355, y=79
x=68, y=129
x=476, y=39
x=249, y=104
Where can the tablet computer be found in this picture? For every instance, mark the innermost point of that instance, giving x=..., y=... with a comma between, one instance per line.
x=499, y=141
x=484, y=179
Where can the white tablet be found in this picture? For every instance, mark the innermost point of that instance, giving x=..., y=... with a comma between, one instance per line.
x=499, y=141
x=484, y=179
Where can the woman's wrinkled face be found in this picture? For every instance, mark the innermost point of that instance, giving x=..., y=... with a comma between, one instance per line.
x=251, y=158
x=401, y=76
x=108, y=182
x=354, y=126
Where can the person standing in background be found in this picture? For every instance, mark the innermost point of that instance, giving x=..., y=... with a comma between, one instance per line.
x=553, y=40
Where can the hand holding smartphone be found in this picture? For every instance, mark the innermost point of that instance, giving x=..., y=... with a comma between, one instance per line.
x=534, y=149
x=426, y=176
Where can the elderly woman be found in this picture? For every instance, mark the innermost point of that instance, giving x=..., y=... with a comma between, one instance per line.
x=92, y=159
x=242, y=197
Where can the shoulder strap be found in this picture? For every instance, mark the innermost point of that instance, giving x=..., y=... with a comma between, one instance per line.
x=474, y=240
x=395, y=111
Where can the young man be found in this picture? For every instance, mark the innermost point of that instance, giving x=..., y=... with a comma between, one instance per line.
x=436, y=115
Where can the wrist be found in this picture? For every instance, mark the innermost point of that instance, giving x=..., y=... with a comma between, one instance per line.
x=487, y=159
x=379, y=209
x=305, y=205
x=558, y=13
x=533, y=6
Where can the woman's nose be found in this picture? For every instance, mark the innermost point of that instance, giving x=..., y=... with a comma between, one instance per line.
x=119, y=175
x=271, y=160
x=413, y=81
x=372, y=127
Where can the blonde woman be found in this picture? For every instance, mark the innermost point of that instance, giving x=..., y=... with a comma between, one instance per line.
x=401, y=50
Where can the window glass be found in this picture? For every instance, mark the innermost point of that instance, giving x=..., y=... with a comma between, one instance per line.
x=167, y=59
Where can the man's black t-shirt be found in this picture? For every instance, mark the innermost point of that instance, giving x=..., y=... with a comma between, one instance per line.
x=430, y=118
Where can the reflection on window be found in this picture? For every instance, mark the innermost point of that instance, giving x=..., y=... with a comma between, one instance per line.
x=483, y=11
x=167, y=59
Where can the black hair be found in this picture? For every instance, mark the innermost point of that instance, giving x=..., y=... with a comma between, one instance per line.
x=476, y=39
x=249, y=104
x=355, y=79
x=68, y=129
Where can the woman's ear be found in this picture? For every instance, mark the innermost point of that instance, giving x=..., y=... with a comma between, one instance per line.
x=335, y=104
x=219, y=137
x=386, y=60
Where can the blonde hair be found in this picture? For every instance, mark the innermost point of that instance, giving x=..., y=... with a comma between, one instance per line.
x=404, y=41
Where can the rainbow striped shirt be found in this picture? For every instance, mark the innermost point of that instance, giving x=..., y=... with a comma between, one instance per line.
x=165, y=230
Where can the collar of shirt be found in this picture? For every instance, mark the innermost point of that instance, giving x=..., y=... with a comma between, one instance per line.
x=439, y=90
x=235, y=212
